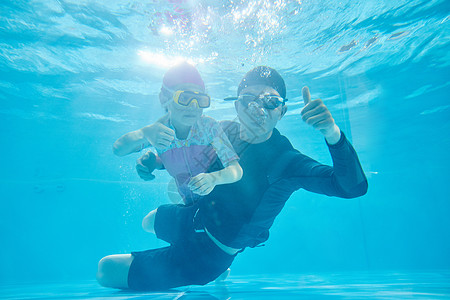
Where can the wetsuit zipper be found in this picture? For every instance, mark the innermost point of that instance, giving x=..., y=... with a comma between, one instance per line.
x=190, y=172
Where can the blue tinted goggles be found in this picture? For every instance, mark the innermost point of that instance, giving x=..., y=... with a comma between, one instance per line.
x=267, y=101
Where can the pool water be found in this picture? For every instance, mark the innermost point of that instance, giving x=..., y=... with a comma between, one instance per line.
x=351, y=285
x=77, y=74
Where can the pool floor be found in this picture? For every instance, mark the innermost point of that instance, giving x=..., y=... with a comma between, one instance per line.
x=349, y=285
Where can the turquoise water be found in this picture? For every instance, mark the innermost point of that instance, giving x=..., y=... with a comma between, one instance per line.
x=75, y=75
x=348, y=285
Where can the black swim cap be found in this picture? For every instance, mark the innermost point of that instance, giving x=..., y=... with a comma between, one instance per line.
x=263, y=75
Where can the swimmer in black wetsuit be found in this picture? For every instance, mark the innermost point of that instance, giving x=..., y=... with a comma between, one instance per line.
x=205, y=237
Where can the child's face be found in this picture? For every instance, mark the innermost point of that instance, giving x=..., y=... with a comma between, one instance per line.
x=185, y=115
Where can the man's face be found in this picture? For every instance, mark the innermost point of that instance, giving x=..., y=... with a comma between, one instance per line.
x=256, y=120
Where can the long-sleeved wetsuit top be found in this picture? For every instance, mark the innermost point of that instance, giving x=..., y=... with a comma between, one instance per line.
x=240, y=214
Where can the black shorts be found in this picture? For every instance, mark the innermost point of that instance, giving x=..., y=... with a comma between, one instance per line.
x=191, y=259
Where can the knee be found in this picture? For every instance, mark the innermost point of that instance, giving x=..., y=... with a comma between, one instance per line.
x=104, y=269
x=113, y=271
x=148, y=223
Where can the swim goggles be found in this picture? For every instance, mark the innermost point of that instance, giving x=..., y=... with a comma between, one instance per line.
x=268, y=101
x=185, y=98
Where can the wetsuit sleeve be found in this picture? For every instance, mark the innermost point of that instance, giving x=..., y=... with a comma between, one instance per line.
x=344, y=179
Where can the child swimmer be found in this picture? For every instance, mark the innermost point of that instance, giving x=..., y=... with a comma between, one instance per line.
x=187, y=142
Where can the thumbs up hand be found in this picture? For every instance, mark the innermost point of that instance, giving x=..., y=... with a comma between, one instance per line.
x=316, y=114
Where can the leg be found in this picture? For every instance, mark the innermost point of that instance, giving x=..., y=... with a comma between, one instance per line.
x=113, y=271
x=193, y=258
x=196, y=261
x=148, y=223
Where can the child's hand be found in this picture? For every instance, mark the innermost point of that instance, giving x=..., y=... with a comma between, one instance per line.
x=202, y=184
x=145, y=166
x=159, y=135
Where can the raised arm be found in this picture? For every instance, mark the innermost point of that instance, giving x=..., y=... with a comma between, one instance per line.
x=130, y=142
x=345, y=178
x=157, y=135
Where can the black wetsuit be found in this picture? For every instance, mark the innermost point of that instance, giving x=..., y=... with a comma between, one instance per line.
x=240, y=214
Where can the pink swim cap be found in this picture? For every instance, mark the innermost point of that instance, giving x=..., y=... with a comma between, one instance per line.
x=183, y=73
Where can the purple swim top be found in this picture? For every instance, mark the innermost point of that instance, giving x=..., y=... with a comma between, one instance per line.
x=184, y=159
